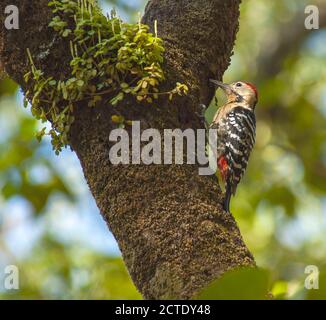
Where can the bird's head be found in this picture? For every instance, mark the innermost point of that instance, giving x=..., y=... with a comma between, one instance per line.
x=239, y=92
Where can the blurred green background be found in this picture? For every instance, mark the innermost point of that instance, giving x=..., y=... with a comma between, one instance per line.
x=50, y=226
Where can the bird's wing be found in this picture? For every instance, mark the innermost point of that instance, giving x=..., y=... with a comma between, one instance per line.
x=241, y=128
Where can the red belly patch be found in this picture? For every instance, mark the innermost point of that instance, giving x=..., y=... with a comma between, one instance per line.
x=223, y=167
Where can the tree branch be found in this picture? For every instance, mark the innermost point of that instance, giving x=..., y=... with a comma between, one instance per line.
x=168, y=221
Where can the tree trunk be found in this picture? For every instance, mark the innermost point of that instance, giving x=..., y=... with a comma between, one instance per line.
x=168, y=221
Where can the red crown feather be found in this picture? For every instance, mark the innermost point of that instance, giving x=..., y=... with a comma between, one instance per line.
x=253, y=88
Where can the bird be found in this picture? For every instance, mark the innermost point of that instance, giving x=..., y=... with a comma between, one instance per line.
x=235, y=123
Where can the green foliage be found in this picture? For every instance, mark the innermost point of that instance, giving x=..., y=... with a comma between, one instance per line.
x=57, y=271
x=240, y=284
x=19, y=156
x=110, y=60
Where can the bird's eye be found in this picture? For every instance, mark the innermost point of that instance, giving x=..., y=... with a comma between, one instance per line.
x=239, y=84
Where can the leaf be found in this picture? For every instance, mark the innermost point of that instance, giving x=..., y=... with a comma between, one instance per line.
x=40, y=134
x=118, y=119
x=240, y=284
x=124, y=85
x=66, y=33
x=80, y=83
x=25, y=102
x=117, y=98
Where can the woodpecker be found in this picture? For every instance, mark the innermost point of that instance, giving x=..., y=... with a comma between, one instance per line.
x=235, y=123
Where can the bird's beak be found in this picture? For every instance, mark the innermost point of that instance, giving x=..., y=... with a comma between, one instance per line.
x=225, y=87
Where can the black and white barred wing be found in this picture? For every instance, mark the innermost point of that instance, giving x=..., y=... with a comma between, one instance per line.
x=241, y=128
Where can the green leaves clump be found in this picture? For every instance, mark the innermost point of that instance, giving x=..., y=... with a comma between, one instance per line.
x=110, y=60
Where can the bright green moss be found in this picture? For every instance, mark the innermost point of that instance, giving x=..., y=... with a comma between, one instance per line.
x=110, y=60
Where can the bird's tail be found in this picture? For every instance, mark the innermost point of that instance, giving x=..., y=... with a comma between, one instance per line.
x=227, y=199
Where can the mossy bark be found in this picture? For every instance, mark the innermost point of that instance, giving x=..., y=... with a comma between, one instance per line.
x=168, y=221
